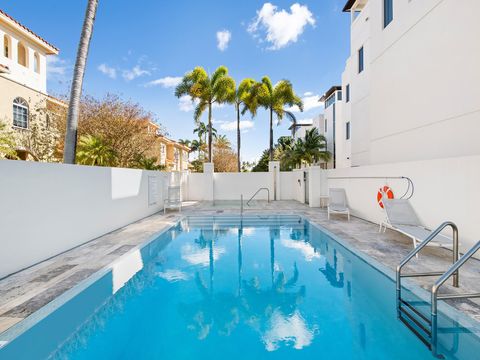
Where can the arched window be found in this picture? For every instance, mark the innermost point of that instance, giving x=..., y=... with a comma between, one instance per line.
x=7, y=47
x=20, y=113
x=22, y=55
x=36, y=63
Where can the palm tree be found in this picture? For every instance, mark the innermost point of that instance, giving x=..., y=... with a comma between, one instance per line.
x=222, y=142
x=95, y=151
x=308, y=150
x=244, y=95
x=197, y=145
x=202, y=131
x=275, y=99
x=69, y=149
x=315, y=146
x=184, y=142
x=208, y=90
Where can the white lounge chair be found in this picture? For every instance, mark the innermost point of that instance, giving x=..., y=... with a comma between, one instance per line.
x=337, y=203
x=173, y=200
x=401, y=217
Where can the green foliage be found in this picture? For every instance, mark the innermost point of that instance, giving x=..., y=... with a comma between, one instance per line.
x=7, y=143
x=199, y=85
x=95, y=151
x=197, y=165
x=274, y=99
x=308, y=151
x=149, y=163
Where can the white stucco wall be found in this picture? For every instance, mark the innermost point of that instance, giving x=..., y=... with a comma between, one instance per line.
x=19, y=73
x=445, y=189
x=46, y=209
x=417, y=98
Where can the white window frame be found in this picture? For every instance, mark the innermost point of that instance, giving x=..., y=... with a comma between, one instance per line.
x=20, y=103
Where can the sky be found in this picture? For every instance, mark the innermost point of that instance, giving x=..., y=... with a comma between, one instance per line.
x=140, y=50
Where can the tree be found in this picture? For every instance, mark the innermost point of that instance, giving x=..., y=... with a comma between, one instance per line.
x=76, y=91
x=95, y=151
x=309, y=150
x=125, y=126
x=224, y=159
x=222, y=142
x=208, y=90
x=244, y=97
x=184, y=142
x=274, y=99
x=149, y=163
x=197, y=145
x=202, y=130
x=7, y=143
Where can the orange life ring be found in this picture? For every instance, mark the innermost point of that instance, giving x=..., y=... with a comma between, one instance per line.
x=384, y=191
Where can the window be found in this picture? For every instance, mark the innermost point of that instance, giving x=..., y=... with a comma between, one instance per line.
x=347, y=131
x=330, y=101
x=387, y=12
x=22, y=54
x=325, y=125
x=7, y=45
x=20, y=113
x=360, y=60
x=339, y=95
x=347, y=93
x=36, y=63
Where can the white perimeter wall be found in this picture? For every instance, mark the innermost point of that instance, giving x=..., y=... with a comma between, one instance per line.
x=46, y=209
x=445, y=189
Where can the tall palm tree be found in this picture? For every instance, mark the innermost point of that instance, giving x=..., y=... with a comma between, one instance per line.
x=274, y=99
x=197, y=145
x=244, y=97
x=184, y=142
x=208, y=90
x=94, y=151
x=69, y=149
x=315, y=146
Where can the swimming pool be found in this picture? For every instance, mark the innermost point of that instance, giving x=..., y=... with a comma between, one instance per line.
x=257, y=287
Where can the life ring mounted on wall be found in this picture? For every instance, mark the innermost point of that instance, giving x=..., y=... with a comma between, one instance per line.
x=384, y=191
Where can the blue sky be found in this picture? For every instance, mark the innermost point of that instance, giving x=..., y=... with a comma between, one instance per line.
x=140, y=48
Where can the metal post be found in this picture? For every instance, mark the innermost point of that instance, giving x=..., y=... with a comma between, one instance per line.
x=455, y=254
x=399, y=290
x=241, y=204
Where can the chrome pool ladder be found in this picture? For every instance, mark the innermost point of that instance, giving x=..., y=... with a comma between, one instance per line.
x=263, y=188
x=424, y=327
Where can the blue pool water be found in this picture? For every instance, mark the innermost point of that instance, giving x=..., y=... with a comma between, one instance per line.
x=210, y=288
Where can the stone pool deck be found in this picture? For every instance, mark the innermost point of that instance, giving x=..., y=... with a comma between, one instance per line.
x=25, y=292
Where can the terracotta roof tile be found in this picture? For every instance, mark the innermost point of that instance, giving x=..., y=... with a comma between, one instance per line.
x=27, y=29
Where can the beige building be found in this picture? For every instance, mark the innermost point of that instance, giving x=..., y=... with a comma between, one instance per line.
x=169, y=153
x=23, y=80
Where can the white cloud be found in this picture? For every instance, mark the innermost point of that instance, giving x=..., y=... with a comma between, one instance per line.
x=308, y=93
x=134, y=73
x=232, y=125
x=107, y=70
x=281, y=27
x=166, y=82
x=310, y=102
x=56, y=66
x=186, y=104
x=223, y=39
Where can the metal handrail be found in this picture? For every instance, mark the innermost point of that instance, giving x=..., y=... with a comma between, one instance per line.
x=263, y=188
x=453, y=271
x=241, y=204
x=415, y=251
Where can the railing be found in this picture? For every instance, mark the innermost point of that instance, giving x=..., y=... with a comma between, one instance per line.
x=264, y=188
x=453, y=271
x=241, y=205
x=415, y=251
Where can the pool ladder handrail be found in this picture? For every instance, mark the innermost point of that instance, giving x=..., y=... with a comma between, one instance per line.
x=436, y=287
x=262, y=188
x=432, y=333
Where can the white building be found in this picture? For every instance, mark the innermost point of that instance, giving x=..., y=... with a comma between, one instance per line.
x=412, y=80
x=335, y=130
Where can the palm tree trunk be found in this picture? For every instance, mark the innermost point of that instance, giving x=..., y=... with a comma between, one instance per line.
x=271, y=134
x=69, y=150
x=210, y=132
x=238, y=138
